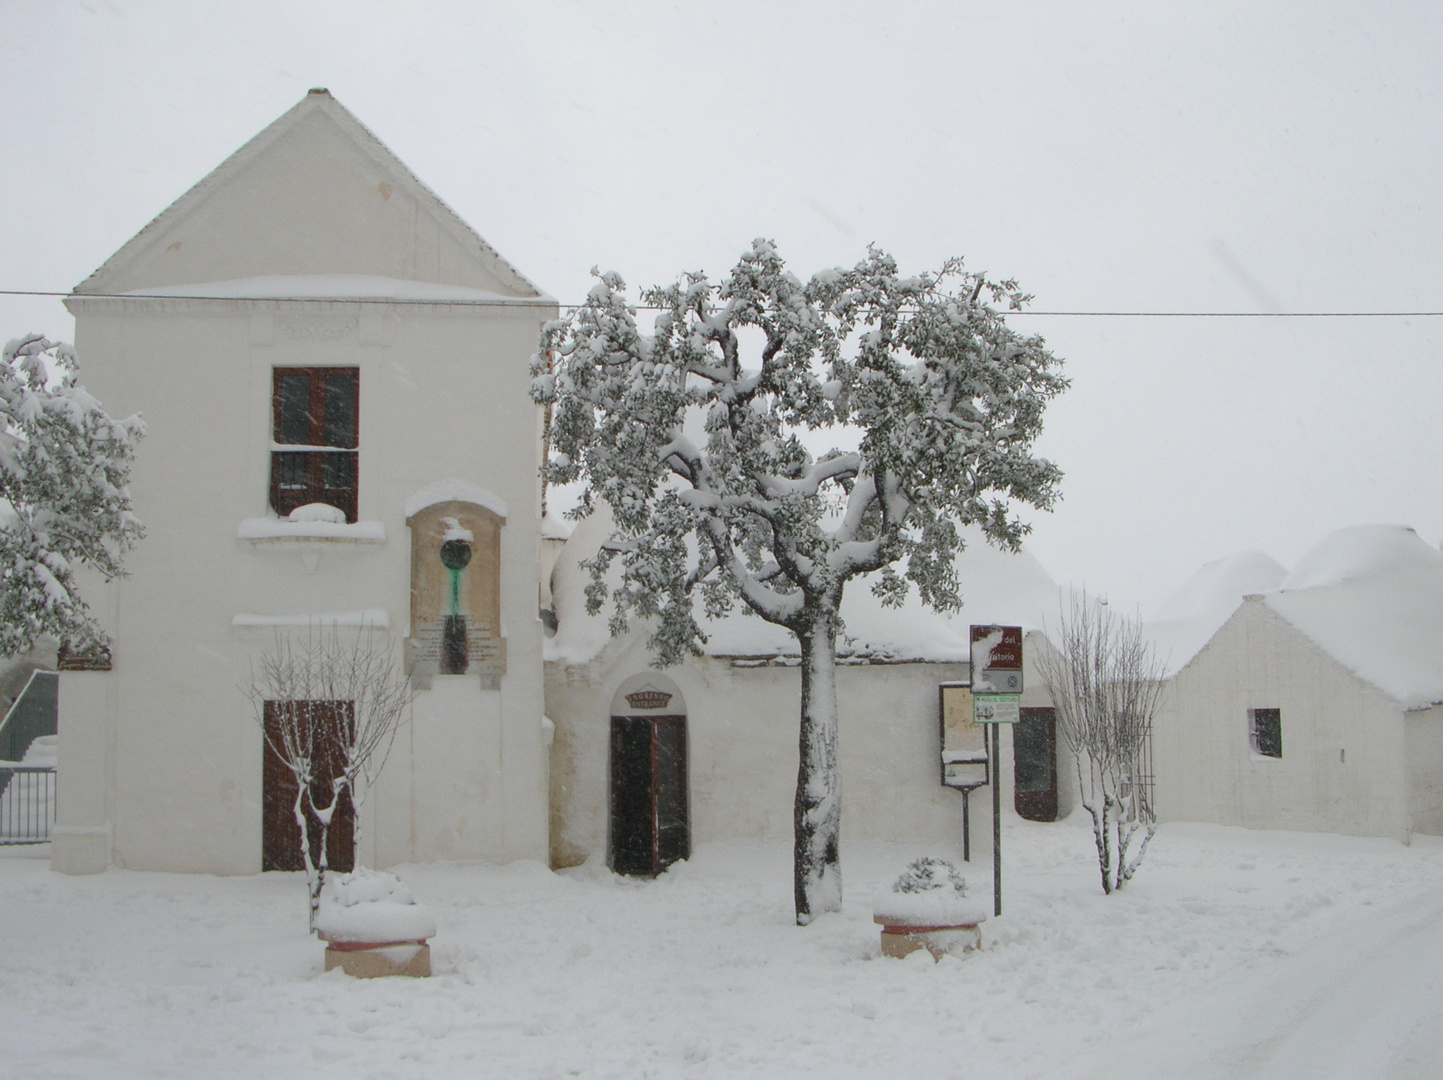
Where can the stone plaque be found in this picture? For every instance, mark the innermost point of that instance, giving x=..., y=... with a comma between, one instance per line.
x=648, y=698
x=456, y=591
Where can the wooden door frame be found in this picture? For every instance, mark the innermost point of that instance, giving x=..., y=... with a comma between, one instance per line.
x=1037, y=805
x=654, y=724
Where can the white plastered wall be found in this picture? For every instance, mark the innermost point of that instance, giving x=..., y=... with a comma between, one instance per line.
x=1423, y=737
x=742, y=734
x=1342, y=766
x=443, y=394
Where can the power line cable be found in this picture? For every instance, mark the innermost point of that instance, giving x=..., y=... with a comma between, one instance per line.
x=538, y=301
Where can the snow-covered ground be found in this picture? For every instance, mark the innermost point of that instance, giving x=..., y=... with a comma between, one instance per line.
x=1233, y=953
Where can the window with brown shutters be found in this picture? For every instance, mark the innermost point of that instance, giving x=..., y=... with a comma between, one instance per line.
x=315, y=420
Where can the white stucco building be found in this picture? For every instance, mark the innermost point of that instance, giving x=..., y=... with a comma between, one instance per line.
x=334, y=371
x=1315, y=705
x=310, y=324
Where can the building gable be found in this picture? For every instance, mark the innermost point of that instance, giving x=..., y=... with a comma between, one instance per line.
x=315, y=194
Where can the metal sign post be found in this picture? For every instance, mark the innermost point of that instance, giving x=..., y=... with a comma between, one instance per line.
x=964, y=751
x=997, y=699
x=996, y=830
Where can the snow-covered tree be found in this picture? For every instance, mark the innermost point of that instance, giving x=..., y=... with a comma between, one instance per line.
x=1105, y=682
x=64, y=466
x=329, y=708
x=707, y=461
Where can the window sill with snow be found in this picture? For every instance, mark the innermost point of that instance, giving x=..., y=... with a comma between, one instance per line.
x=309, y=524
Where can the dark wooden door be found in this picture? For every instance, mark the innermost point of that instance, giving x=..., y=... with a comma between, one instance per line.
x=280, y=832
x=650, y=820
x=1034, y=765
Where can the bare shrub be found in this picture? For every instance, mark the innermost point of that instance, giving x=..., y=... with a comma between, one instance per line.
x=1105, y=682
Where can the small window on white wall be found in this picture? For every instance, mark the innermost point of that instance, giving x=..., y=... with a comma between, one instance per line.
x=1265, y=731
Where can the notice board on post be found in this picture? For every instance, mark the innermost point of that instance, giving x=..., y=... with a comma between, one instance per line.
x=964, y=742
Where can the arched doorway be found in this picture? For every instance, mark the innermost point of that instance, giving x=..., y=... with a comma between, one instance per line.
x=650, y=822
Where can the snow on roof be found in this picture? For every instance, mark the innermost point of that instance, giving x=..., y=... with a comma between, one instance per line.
x=556, y=527
x=333, y=287
x=997, y=587
x=454, y=490
x=1187, y=620
x=1371, y=596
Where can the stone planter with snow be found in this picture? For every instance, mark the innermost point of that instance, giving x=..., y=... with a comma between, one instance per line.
x=373, y=926
x=927, y=908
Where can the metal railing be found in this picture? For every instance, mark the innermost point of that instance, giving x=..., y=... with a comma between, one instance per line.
x=27, y=803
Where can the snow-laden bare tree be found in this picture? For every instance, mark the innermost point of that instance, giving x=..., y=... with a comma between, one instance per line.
x=64, y=467
x=705, y=457
x=1105, y=682
x=329, y=705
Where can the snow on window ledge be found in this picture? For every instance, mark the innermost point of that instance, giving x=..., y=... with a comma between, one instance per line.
x=270, y=529
x=367, y=619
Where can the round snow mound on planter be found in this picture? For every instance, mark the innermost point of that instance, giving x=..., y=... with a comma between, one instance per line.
x=372, y=906
x=930, y=892
x=935, y=907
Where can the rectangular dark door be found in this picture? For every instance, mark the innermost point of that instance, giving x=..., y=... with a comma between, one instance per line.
x=650, y=825
x=1034, y=765
x=280, y=833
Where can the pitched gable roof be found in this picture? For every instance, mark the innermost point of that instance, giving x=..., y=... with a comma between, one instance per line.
x=313, y=194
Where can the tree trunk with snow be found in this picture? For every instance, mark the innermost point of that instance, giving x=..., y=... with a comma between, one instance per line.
x=817, y=812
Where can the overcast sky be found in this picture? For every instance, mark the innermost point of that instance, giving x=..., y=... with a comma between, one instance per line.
x=1245, y=157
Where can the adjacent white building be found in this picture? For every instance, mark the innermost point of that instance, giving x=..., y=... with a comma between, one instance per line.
x=1313, y=701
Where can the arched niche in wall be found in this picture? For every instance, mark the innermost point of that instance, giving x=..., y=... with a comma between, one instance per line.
x=456, y=583
x=649, y=824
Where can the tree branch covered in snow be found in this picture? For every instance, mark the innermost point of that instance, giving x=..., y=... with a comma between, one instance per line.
x=701, y=438
x=64, y=467
x=1105, y=682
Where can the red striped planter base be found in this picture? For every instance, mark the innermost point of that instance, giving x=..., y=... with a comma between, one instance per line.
x=900, y=941
x=379, y=959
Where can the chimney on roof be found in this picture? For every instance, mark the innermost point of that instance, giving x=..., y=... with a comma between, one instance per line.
x=318, y=90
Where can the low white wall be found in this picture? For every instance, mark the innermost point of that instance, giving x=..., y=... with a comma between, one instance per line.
x=743, y=731
x=1423, y=737
x=80, y=839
